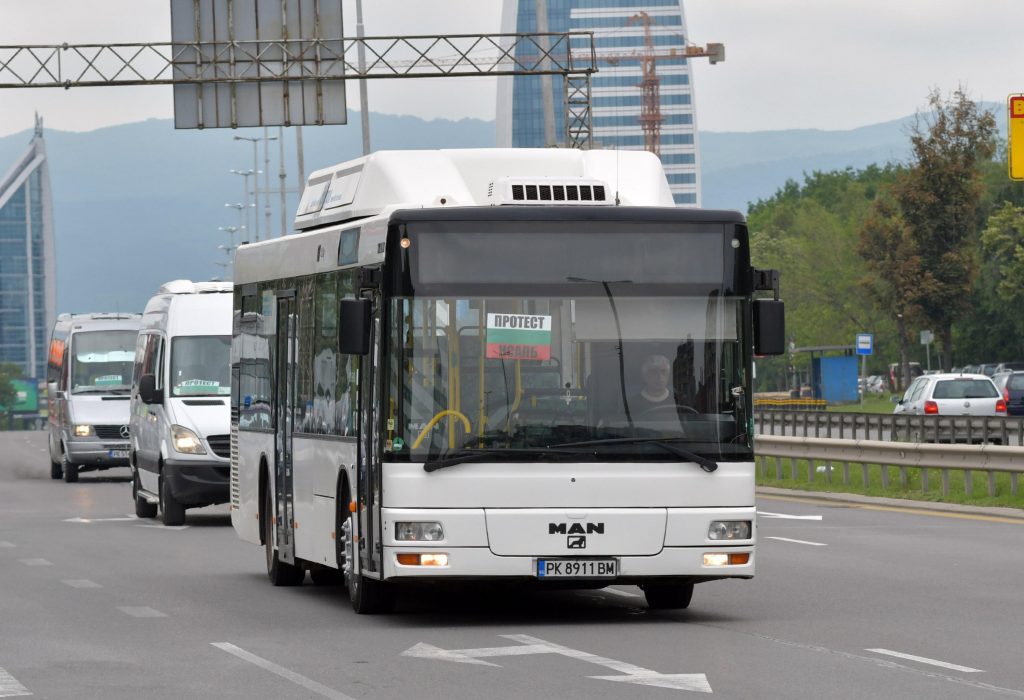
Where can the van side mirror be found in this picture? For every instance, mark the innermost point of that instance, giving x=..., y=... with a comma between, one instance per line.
x=354, y=326
x=147, y=390
x=769, y=327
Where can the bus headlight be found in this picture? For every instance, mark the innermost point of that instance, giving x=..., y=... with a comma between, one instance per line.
x=419, y=532
x=185, y=441
x=83, y=430
x=729, y=530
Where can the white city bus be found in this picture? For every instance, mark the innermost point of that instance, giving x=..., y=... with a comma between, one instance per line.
x=499, y=365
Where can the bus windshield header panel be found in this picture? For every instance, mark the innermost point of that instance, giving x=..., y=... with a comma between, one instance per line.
x=440, y=257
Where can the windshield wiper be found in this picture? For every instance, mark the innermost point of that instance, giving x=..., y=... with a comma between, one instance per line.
x=478, y=454
x=708, y=465
x=99, y=390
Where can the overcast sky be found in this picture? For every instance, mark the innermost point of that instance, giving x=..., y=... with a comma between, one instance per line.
x=828, y=64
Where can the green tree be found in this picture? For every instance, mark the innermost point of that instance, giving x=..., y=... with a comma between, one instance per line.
x=8, y=394
x=940, y=196
x=893, y=274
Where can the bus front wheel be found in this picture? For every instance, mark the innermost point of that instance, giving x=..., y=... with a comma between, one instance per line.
x=368, y=596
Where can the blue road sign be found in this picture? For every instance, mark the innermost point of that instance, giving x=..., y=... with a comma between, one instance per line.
x=865, y=343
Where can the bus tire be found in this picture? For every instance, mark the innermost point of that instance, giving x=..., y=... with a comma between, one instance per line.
x=56, y=470
x=280, y=573
x=143, y=508
x=668, y=596
x=368, y=596
x=172, y=512
x=69, y=470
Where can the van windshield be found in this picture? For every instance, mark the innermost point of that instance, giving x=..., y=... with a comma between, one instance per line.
x=102, y=361
x=201, y=365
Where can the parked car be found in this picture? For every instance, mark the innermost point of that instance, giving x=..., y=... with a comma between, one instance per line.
x=970, y=369
x=895, y=378
x=1009, y=367
x=1011, y=386
x=988, y=369
x=948, y=394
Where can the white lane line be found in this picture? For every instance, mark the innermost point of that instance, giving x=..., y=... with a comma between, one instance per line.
x=926, y=660
x=11, y=688
x=140, y=611
x=307, y=683
x=81, y=583
x=36, y=562
x=616, y=591
x=785, y=516
x=4, y=544
x=787, y=539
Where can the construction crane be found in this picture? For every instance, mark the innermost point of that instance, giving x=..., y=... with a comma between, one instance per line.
x=650, y=84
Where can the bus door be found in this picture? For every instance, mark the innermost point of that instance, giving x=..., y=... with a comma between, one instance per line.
x=284, y=394
x=369, y=446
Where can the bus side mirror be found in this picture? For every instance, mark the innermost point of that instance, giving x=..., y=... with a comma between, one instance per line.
x=354, y=326
x=147, y=390
x=769, y=327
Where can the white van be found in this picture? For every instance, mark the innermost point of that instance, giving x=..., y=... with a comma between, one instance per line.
x=89, y=375
x=180, y=415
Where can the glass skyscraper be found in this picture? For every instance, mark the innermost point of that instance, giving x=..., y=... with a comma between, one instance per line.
x=616, y=93
x=28, y=282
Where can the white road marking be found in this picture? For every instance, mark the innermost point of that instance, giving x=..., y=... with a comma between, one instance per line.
x=140, y=611
x=100, y=520
x=167, y=527
x=787, y=539
x=36, y=562
x=616, y=591
x=81, y=583
x=307, y=683
x=4, y=544
x=10, y=687
x=784, y=516
x=638, y=675
x=925, y=660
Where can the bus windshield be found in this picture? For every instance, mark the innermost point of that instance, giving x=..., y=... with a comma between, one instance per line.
x=102, y=361
x=606, y=374
x=201, y=365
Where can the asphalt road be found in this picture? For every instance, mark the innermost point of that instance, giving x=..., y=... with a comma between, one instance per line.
x=849, y=602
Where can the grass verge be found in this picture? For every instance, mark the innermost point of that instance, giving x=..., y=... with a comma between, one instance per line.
x=873, y=403
x=913, y=489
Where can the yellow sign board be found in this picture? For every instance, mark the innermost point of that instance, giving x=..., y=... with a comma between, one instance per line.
x=1015, y=127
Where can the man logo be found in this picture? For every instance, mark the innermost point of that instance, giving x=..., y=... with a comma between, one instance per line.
x=576, y=542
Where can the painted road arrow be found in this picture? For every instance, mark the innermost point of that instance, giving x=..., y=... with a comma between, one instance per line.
x=637, y=675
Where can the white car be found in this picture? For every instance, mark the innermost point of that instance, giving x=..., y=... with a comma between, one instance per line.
x=952, y=395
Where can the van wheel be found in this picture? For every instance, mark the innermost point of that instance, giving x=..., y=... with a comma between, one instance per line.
x=143, y=508
x=56, y=470
x=70, y=470
x=668, y=596
x=280, y=573
x=172, y=511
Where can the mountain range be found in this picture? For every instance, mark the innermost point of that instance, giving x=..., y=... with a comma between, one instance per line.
x=138, y=204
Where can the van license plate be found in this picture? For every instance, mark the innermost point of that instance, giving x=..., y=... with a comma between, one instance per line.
x=577, y=568
x=117, y=454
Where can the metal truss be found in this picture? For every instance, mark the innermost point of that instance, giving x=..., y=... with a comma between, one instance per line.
x=579, y=126
x=176, y=63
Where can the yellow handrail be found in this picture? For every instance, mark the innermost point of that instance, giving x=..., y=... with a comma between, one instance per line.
x=433, y=421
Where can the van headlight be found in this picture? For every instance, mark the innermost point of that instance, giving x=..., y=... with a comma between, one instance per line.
x=186, y=441
x=83, y=430
x=729, y=530
x=418, y=532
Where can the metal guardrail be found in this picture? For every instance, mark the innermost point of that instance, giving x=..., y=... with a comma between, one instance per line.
x=904, y=455
x=886, y=427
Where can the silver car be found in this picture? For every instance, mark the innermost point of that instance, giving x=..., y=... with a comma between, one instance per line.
x=952, y=395
x=959, y=397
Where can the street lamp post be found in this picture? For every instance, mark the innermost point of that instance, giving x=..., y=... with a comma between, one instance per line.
x=245, y=195
x=239, y=207
x=266, y=180
x=255, y=169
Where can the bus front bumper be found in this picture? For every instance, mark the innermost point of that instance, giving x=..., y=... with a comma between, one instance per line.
x=683, y=563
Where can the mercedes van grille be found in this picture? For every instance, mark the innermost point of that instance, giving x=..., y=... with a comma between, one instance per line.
x=220, y=444
x=111, y=432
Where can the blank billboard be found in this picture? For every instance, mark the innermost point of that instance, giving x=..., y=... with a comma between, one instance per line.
x=276, y=63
